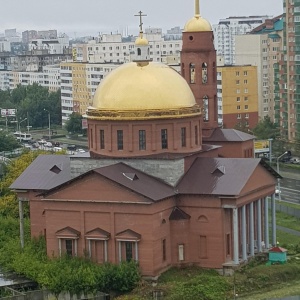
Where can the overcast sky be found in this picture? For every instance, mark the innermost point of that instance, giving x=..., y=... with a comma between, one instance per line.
x=93, y=16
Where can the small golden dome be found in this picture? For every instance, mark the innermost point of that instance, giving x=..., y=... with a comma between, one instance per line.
x=140, y=89
x=141, y=41
x=197, y=24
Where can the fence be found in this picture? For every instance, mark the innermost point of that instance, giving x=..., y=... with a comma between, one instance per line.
x=45, y=295
x=291, y=211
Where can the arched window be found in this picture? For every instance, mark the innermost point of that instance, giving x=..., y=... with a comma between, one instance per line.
x=192, y=73
x=205, y=109
x=203, y=219
x=139, y=52
x=204, y=73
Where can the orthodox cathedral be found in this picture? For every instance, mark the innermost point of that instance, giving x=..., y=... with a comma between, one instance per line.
x=161, y=184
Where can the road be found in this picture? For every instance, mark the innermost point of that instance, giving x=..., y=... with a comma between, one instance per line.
x=290, y=189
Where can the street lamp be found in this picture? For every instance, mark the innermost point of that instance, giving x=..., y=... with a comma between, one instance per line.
x=270, y=150
x=278, y=179
x=19, y=123
x=49, y=132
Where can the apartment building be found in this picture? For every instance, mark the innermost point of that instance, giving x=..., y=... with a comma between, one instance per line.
x=226, y=30
x=237, y=91
x=53, y=46
x=111, y=48
x=262, y=48
x=79, y=82
x=49, y=77
x=287, y=74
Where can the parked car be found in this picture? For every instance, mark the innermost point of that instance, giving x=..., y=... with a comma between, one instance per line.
x=48, y=144
x=81, y=151
x=71, y=147
x=295, y=160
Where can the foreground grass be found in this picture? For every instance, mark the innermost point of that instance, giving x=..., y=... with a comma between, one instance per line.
x=281, y=290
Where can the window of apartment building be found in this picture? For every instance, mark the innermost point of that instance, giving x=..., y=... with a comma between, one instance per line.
x=238, y=99
x=245, y=98
x=237, y=73
x=157, y=46
x=102, y=144
x=247, y=116
x=120, y=139
x=238, y=116
x=164, y=138
x=246, y=106
x=196, y=135
x=238, y=107
x=238, y=91
x=245, y=73
x=245, y=81
x=245, y=91
x=237, y=82
x=183, y=137
x=142, y=139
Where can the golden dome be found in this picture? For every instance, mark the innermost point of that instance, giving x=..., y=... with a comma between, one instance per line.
x=141, y=41
x=197, y=24
x=134, y=91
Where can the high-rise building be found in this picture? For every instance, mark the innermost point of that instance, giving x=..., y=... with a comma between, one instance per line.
x=237, y=86
x=262, y=48
x=287, y=73
x=226, y=31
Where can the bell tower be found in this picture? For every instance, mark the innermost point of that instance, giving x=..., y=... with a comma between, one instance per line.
x=198, y=67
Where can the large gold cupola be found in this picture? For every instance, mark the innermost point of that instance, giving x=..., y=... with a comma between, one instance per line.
x=197, y=23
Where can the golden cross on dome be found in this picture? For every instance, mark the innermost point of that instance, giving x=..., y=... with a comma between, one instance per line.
x=140, y=14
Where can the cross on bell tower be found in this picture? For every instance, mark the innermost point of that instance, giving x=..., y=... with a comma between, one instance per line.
x=140, y=14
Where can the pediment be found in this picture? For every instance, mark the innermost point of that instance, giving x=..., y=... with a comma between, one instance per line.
x=97, y=233
x=128, y=235
x=67, y=232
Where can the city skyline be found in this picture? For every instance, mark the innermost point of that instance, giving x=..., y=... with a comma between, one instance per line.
x=102, y=17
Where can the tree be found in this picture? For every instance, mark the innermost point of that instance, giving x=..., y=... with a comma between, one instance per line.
x=266, y=129
x=36, y=101
x=74, y=124
x=7, y=142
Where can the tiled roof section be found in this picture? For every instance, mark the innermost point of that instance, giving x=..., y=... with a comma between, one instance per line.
x=205, y=178
x=178, y=214
x=278, y=249
x=228, y=135
x=44, y=173
x=137, y=181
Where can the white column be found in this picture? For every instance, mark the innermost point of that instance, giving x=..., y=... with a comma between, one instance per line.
x=59, y=246
x=105, y=250
x=266, y=218
x=75, y=250
x=258, y=206
x=136, y=251
x=244, y=234
x=235, y=236
x=90, y=248
x=273, y=208
x=251, y=231
x=120, y=251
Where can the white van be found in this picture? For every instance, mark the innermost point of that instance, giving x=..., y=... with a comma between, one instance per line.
x=57, y=149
